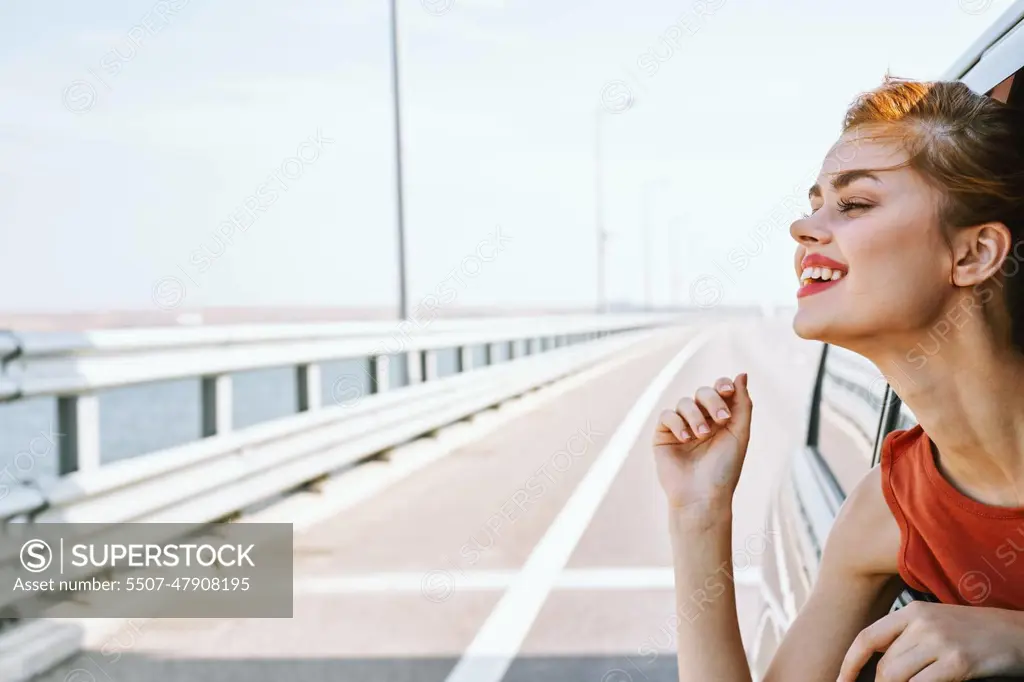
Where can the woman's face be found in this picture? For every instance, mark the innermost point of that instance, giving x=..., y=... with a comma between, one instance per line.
x=880, y=230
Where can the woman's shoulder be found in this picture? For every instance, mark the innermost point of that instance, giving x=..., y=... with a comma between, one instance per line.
x=865, y=535
x=897, y=443
x=904, y=458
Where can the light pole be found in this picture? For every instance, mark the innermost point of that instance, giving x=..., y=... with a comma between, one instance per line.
x=648, y=239
x=403, y=303
x=601, y=235
x=674, y=228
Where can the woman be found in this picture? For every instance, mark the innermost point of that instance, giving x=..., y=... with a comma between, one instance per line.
x=917, y=224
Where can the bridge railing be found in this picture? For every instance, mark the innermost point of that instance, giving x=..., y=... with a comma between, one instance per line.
x=228, y=468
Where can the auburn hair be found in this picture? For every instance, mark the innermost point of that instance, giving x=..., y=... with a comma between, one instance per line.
x=968, y=146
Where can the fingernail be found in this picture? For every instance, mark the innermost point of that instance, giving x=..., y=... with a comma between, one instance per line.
x=703, y=429
x=684, y=438
x=726, y=387
x=723, y=414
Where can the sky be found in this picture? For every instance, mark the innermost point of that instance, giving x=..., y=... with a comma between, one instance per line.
x=191, y=153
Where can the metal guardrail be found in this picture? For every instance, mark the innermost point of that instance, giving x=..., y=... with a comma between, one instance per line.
x=213, y=478
x=74, y=367
x=46, y=363
x=228, y=470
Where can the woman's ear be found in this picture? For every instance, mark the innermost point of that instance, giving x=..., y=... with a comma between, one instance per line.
x=979, y=252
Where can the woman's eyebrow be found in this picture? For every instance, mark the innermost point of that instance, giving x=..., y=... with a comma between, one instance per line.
x=841, y=180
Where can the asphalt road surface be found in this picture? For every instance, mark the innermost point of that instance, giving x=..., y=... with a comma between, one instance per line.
x=538, y=552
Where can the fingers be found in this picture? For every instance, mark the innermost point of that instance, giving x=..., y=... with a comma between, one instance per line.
x=902, y=664
x=725, y=387
x=670, y=422
x=687, y=409
x=693, y=418
x=713, y=404
x=876, y=637
x=741, y=403
x=942, y=670
x=708, y=405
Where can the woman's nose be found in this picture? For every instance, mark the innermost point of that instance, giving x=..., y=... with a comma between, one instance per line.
x=809, y=230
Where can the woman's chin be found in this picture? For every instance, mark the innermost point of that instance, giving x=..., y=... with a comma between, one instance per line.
x=810, y=325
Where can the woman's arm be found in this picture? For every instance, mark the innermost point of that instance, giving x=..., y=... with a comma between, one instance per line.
x=709, y=641
x=699, y=467
x=855, y=586
x=698, y=451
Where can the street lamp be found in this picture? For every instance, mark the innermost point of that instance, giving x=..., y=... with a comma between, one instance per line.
x=646, y=192
x=403, y=304
x=671, y=244
x=601, y=236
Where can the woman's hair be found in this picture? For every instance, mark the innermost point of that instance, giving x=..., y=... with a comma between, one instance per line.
x=968, y=146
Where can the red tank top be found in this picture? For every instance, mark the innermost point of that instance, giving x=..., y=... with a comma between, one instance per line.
x=958, y=549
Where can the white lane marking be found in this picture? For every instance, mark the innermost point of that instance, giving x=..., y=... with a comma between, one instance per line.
x=639, y=578
x=497, y=643
x=615, y=579
x=402, y=582
x=634, y=578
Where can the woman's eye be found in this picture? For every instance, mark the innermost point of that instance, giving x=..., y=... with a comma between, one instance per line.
x=845, y=206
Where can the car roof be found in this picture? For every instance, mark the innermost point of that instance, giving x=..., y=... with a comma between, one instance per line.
x=995, y=54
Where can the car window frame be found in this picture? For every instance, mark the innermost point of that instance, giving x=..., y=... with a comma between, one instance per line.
x=888, y=421
x=814, y=425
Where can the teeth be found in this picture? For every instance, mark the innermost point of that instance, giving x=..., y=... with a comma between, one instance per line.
x=821, y=274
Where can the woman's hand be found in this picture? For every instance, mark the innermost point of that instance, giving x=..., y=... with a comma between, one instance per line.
x=927, y=642
x=699, y=446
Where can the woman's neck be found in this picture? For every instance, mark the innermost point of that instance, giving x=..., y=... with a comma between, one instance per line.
x=966, y=389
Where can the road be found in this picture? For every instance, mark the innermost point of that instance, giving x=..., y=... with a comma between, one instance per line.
x=537, y=551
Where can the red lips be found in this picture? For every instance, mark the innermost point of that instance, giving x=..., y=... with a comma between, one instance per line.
x=816, y=260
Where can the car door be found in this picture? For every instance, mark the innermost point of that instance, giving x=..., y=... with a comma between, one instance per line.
x=854, y=406
x=842, y=433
